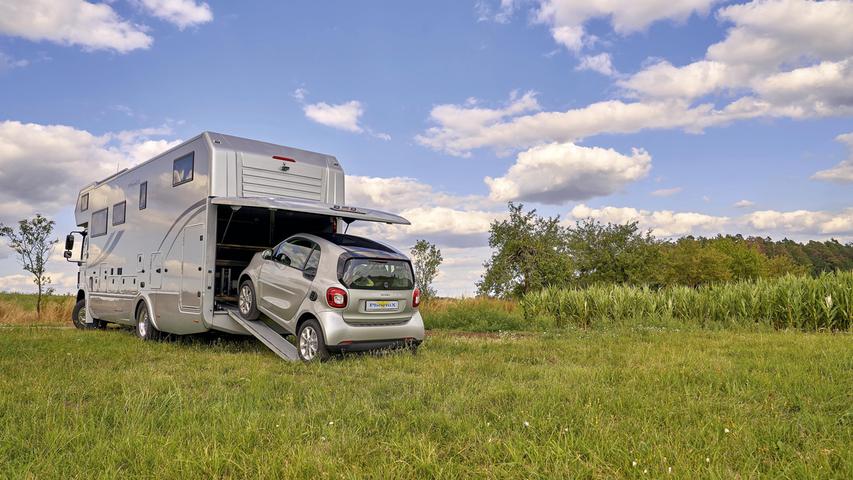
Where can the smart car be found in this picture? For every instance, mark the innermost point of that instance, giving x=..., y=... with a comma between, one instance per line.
x=336, y=293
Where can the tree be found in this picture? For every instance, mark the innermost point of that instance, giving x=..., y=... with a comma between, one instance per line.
x=529, y=253
x=31, y=241
x=612, y=253
x=427, y=258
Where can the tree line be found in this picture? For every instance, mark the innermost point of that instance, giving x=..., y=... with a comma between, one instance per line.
x=531, y=252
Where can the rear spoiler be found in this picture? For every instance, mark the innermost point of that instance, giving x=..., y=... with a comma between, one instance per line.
x=347, y=213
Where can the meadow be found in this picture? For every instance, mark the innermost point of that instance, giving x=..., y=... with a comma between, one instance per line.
x=624, y=399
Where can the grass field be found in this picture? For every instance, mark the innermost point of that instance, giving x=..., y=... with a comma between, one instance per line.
x=88, y=404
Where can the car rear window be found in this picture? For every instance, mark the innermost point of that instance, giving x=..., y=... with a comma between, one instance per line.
x=373, y=274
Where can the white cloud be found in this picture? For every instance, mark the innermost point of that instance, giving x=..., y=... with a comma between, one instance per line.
x=766, y=66
x=94, y=26
x=744, y=204
x=557, y=172
x=667, y=192
x=343, y=116
x=183, y=13
x=600, y=63
x=803, y=221
x=501, y=14
x=843, y=172
x=462, y=128
x=804, y=224
x=663, y=223
x=10, y=63
x=567, y=17
x=43, y=167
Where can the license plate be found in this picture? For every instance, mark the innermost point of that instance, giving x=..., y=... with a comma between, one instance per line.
x=381, y=305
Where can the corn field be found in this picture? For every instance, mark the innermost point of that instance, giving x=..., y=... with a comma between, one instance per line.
x=790, y=302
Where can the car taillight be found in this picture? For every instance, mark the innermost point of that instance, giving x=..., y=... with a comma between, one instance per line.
x=416, y=297
x=336, y=297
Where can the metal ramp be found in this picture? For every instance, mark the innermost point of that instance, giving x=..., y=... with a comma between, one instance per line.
x=269, y=337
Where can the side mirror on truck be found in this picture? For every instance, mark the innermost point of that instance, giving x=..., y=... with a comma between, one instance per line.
x=69, y=243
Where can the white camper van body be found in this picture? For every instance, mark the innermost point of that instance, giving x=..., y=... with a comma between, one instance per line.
x=174, y=233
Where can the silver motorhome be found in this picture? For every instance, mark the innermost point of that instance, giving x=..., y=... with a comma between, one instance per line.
x=173, y=234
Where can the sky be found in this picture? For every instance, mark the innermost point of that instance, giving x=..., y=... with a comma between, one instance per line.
x=691, y=117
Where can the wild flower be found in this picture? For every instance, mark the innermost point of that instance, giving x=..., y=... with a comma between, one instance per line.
x=726, y=430
x=526, y=423
x=634, y=463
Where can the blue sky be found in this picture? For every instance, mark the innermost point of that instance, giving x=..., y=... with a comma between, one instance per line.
x=724, y=102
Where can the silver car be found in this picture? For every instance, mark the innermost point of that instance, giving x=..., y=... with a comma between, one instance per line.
x=336, y=293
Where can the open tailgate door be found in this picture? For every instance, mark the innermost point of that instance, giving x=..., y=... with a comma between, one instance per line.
x=347, y=213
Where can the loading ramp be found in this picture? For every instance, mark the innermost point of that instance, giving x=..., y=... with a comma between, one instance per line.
x=269, y=337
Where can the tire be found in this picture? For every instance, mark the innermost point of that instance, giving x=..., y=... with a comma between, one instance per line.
x=310, y=342
x=78, y=317
x=145, y=329
x=247, y=302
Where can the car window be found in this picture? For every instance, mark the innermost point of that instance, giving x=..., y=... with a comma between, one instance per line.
x=294, y=253
x=313, y=260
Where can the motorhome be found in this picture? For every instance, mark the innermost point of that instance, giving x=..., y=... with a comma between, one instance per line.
x=170, y=237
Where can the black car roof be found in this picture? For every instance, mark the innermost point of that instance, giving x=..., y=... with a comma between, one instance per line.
x=353, y=243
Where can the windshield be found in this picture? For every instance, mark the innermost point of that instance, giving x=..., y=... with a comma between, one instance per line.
x=371, y=274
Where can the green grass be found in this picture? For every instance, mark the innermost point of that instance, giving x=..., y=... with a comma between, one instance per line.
x=90, y=404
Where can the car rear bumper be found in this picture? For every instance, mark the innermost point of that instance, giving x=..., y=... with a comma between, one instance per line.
x=375, y=345
x=338, y=332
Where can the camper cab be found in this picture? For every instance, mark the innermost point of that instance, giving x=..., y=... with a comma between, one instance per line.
x=170, y=237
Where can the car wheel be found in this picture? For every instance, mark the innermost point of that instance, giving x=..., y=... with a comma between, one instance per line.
x=247, y=301
x=78, y=317
x=145, y=329
x=310, y=342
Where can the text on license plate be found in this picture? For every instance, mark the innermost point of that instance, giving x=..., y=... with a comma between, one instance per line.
x=381, y=305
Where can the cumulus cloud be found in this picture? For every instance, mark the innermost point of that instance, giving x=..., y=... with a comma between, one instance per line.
x=744, y=204
x=183, y=13
x=343, y=116
x=600, y=63
x=558, y=172
x=668, y=223
x=72, y=22
x=843, y=172
x=568, y=17
x=663, y=223
x=42, y=167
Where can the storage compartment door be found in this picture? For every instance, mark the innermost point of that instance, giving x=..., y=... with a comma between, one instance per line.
x=191, y=270
x=156, y=270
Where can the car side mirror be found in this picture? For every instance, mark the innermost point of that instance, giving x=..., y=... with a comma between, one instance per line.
x=266, y=254
x=69, y=242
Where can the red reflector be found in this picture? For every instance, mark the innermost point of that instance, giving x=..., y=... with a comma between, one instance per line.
x=285, y=159
x=346, y=342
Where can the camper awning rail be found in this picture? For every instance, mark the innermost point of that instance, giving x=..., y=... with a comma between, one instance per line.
x=347, y=213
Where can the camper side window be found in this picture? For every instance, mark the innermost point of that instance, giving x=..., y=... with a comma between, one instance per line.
x=182, y=170
x=99, y=223
x=84, y=202
x=143, y=195
x=119, y=211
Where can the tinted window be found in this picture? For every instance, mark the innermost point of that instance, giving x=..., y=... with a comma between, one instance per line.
x=182, y=170
x=119, y=211
x=294, y=253
x=99, y=223
x=84, y=202
x=371, y=274
x=143, y=195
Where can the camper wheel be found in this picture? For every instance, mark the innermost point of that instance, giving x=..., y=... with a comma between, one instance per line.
x=247, y=301
x=144, y=328
x=78, y=317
